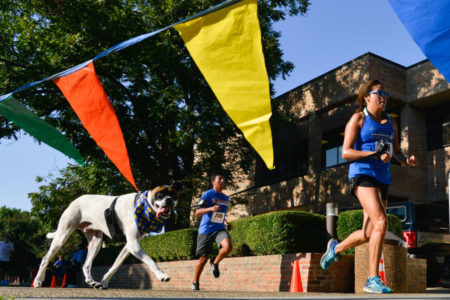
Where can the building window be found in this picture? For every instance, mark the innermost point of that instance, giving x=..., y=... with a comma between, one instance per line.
x=332, y=141
x=438, y=127
x=333, y=156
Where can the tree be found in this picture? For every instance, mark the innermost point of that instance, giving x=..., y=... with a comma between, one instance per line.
x=27, y=236
x=173, y=126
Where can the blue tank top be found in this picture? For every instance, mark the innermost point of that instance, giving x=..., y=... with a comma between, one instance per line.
x=369, y=136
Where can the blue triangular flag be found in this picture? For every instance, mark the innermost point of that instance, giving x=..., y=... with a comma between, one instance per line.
x=428, y=23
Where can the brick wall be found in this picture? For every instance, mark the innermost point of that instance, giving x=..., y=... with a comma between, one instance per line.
x=269, y=273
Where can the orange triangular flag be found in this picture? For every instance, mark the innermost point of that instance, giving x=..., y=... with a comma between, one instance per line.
x=88, y=99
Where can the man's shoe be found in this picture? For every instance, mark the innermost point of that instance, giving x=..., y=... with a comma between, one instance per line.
x=375, y=285
x=215, y=268
x=330, y=256
x=196, y=286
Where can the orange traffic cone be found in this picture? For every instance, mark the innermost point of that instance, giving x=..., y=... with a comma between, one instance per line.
x=381, y=269
x=32, y=282
x=53, y=284
x=296, y=281
x=63, y=284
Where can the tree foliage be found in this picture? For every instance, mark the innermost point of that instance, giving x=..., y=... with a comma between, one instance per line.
x=26, y=233
x=172, y=123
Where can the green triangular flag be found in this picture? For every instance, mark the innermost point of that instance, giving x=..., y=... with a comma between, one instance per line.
x=36, y=127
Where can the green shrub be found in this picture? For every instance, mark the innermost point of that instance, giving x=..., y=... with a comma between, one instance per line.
x=273, y=233
x=351, y=220
x=279, y=233
x=107, y=256
x=172, y=245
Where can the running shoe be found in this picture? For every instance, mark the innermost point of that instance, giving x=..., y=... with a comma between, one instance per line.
x=215, y=268
x=375, y=285
x=196, y=286
x=329, y=256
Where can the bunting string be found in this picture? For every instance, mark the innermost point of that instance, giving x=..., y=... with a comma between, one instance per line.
x=119, y=47
x=240, y=82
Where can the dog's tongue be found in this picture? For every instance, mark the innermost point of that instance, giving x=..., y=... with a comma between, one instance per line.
x=160, y=211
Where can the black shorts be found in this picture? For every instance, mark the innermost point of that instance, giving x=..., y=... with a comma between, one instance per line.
x=205, y=241
x=367, y=181
x=4, y=265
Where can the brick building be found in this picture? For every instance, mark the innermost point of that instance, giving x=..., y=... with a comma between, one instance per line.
x=420, y=102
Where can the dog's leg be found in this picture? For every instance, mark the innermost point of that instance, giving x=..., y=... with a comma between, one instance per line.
x=119, y=260
x=135, y=248
x=61, y=235
x=95, y=239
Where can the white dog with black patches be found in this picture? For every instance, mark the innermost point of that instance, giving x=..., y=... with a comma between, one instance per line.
x=87, y=213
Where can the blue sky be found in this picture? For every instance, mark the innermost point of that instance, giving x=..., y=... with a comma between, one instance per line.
x=331, y=34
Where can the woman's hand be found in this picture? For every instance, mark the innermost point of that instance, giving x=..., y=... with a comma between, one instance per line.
x=385, y=157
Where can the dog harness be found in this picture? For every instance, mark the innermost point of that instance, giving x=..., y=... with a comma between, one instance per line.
x=113, y=224
x=145, y=216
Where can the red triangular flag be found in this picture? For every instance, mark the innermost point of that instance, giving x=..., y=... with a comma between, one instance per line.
x=88, y=99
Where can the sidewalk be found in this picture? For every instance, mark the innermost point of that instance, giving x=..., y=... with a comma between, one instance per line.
x=82, y=293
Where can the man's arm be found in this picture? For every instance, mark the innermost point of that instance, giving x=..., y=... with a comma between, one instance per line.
x=201, y=208
x=202, y=211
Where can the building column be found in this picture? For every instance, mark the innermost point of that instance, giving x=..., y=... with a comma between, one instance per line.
x=315, y=142
x=413, y=141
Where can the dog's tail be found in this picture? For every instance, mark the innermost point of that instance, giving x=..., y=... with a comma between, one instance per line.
x=51, y=235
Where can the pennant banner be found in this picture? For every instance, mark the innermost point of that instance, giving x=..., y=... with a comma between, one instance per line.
x=226, y=46
x=38, y=128
x=88, y=99
x=428, y=23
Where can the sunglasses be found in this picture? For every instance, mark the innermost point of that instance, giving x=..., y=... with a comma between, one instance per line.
x=380, y=94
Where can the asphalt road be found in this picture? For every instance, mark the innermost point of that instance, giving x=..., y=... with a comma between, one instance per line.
x=17, y=293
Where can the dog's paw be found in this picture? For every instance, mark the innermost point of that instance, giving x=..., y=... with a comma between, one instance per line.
x=93, y=284
x=163, y=277
x=97, y=285
x=103, y=286
x=37, y=284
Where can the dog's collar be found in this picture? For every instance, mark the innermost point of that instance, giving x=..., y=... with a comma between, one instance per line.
x=145, y=217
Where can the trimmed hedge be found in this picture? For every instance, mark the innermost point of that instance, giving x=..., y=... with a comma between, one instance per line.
x=107, y=256
x=172, y=245
x=272, y=233
x=279, y=233
x=351, y=220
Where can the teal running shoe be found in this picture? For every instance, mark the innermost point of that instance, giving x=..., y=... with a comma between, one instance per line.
x=329, y=256
x=375, y=285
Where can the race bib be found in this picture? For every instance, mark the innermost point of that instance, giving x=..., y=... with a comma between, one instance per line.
x=217, y=217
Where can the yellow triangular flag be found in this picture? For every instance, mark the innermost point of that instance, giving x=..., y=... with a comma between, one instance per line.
x=226, y=46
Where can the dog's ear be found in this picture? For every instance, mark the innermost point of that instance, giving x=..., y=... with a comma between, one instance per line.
x=177, y=186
